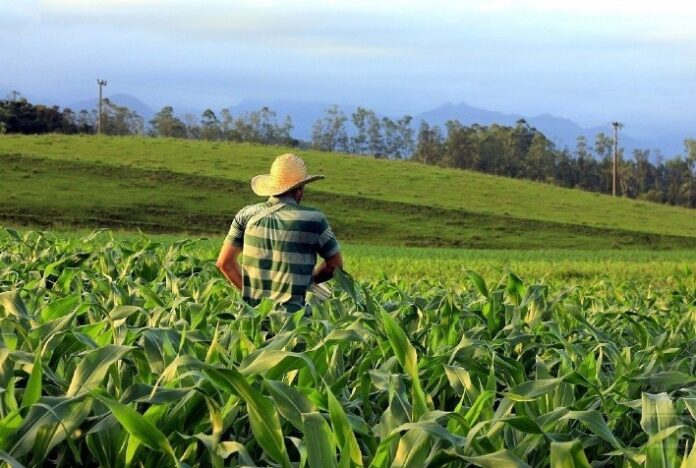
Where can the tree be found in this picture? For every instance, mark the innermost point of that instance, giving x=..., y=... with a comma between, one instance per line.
x=166, y=124
x=210, y=128
x=390, y=138
x=583, y=156
x=227, y=125
x=329, y=133
x=375, y=140
x=86, y=121
x=120, y=120
x=690, y=147
x=429, y=147
x=358, y=143
x=540, y=159
x=397, y=138
x=193, y=130
x=459, y=146
x=405, y=136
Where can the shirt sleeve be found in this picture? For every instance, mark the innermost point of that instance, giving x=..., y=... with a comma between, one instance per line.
x=328, y=245
x=235, y=236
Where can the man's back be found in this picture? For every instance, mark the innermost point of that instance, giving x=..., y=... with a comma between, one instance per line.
x=280, y=240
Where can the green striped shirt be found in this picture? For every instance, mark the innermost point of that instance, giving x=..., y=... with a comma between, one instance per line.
x=279, y=250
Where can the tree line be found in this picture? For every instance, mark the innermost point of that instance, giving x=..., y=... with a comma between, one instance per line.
x=519, y=151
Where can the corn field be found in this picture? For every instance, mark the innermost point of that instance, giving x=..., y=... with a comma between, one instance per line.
x=135, y=353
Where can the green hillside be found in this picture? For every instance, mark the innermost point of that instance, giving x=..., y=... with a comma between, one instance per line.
x=163, y=185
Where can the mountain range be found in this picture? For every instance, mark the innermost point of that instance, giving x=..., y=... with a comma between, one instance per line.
x=562, y=131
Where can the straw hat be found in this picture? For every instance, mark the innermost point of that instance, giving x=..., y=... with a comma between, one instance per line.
x=288, y=171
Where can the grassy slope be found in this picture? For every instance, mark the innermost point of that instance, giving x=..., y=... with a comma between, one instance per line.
x=170, y=185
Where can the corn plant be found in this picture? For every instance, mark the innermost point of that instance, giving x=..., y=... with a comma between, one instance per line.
x=135, y=353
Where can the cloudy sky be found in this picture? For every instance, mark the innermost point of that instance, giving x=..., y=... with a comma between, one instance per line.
x=592, y=60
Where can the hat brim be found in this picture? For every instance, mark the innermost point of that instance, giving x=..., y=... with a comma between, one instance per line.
x=263, y=185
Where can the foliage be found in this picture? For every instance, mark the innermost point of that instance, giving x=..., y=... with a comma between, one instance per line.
x=17, y=115
x=136, y=353
x=523, y=152
x=120, y=120
x=166, y=124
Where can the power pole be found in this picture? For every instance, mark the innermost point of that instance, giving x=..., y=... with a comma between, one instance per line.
x=99, y=123
x=617, y=126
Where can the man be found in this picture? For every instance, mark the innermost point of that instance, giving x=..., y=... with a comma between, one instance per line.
x=279, y=240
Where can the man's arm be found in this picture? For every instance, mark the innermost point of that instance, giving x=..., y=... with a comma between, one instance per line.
x=229, y=266
x=325, y=271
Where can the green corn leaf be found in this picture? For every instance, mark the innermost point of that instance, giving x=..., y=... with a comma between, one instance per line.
x=524, y=424
x=228, y=448
x=59, y=308
x=262, y=413
x=413, y=449
x=319, y=440
x=689, y=459
x=93, y=368
x=350, y=450
x=8, y=425
x=291, y=403
x=275, y=362
x=529, y=391
x=668, y=380
x=47, y=423
x=14, y=305
x=11, y=462
x=568, y=455
x=500, y=459
x=406, y=355
x=479, y=407
x=433, y=430
x=137, y=426
x=657, y=416
x=595, y=422
x=152, y=415
x=32, y=392
x=478, y=283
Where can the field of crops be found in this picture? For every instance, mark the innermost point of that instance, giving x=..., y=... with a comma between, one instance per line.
x=137, y=353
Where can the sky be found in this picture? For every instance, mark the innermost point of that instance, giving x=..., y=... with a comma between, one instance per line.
x=592, y=61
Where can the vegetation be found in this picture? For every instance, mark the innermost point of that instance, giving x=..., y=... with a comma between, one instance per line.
x=524, y=152
x=139, y=353
x=520, y=152
x=165, y=185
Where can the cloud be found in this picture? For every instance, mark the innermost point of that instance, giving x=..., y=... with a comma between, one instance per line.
x=548, y=55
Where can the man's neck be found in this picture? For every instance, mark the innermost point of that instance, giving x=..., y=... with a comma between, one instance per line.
x=285, y=199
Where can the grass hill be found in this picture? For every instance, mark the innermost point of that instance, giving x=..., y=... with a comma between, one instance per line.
x=164, y=185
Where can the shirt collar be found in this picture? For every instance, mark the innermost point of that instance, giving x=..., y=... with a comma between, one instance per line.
x=286, y=199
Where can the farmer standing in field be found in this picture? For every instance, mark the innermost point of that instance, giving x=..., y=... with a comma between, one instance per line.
x=279, y=240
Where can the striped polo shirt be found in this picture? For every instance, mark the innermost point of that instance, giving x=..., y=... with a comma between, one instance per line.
x=279, y=250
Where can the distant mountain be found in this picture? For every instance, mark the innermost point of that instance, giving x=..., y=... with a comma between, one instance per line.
x=561, y=131
x=126, y=100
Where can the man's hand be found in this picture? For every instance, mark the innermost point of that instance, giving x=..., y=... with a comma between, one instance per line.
x=325, y=271
x=229, y=266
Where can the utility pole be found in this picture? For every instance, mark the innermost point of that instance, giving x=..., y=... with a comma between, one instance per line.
x=99, y=123
x=617, y=126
